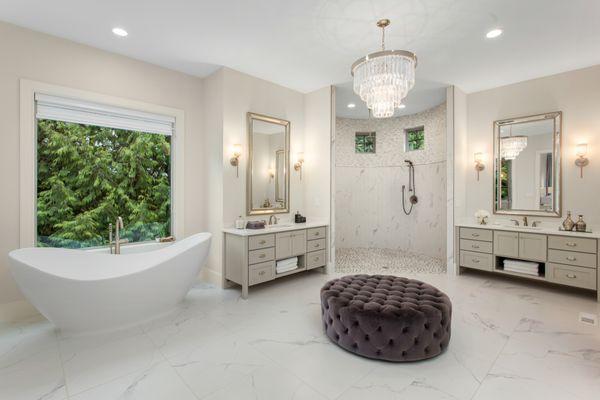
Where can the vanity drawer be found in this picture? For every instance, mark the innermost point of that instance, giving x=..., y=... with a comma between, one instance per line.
x=471, y=259
x=315, y=233
x=572, y=244
x=572, y=258
x=261, y=241
x=262, y=272
x=476, y=245
x=572, y=276
x=316, y=259
x=476, y=234
x=314, y=245
x=262, y=255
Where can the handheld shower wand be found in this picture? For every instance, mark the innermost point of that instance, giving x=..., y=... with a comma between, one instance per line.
x=413, y=199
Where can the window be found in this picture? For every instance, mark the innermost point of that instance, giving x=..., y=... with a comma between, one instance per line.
x=95, y=163
x=364, y=142
x=415, y=139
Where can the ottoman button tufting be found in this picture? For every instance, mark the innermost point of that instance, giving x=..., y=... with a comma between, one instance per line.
x=381, y=303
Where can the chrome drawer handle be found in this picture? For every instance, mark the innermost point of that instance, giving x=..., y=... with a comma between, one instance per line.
x=261, y=273
x=262, y=242
x=317, y=233
x=317, y=245
x=475, y=234
x=475, y=246
x=571, y=276
x=316, y=258
x=571, y=244
x=263, y=255
x=476, y=261
x=571, y=258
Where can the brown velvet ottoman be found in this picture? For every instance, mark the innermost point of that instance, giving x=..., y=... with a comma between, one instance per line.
x=386, y=317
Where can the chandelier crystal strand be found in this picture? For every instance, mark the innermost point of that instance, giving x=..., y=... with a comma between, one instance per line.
x=383, y=79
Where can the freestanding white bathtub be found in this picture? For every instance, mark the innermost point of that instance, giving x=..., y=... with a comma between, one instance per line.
x=91, y=291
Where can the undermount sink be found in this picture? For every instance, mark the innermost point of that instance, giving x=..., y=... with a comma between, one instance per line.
x=279, y=226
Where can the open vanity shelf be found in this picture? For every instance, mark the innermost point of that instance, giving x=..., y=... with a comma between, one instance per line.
x=564, y=258
x=250, y=256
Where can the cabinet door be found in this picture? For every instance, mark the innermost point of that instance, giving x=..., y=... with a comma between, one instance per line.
x=283, y=245
x=298, y=243
x=506, y=244
x=533, y=247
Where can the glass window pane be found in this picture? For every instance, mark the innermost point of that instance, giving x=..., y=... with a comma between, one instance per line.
x=87, y=176
x=364, y=142
x=415, y=139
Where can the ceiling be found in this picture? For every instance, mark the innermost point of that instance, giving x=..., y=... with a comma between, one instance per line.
x=308, y=44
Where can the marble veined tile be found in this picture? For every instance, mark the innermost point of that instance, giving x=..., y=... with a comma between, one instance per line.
x=95, y=360
x=157, y=382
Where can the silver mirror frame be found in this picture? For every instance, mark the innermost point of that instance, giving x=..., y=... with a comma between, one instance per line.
x=250, y=210
x=557, y=170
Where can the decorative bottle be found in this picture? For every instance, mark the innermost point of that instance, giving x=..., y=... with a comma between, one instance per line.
x=580, y=226
x=568, y=223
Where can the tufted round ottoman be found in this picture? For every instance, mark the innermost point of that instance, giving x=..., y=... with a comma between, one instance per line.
x=386, y=317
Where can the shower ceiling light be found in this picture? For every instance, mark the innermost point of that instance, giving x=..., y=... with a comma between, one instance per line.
x=384, y=78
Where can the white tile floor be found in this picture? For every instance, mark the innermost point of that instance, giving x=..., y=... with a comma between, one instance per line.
x=510, y=340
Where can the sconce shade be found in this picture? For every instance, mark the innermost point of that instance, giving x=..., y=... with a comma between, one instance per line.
x=237, y=150
x=582, y=150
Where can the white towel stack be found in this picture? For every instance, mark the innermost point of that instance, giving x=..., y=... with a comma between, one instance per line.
x=289, y=264
x=522, y=267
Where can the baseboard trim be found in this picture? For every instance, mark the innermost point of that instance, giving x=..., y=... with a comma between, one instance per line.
x=17, y=310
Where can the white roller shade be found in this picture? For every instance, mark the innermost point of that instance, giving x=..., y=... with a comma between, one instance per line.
x=83, y=112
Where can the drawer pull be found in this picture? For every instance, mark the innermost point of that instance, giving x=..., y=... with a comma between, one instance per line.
x=571, y=244
x=316, y=258
x=262, y=273
x=475, y=234
x=571, y=258
x=317, y=245
x=317, y=233
x=263, y=255
x=475, y=260
x=262, y=242
x=475, y=246
x=571, y=276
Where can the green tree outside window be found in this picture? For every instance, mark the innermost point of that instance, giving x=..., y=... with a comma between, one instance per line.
x=89, y=175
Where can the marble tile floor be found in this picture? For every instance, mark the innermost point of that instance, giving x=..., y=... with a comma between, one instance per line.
x=510, y=340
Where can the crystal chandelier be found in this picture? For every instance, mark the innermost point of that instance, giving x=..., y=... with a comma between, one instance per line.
x=511, y=146
x=384, y=78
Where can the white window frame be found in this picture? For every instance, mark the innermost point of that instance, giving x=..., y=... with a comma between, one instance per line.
x=28, y=152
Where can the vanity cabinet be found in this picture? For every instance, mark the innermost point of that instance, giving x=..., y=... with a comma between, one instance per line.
x=564, y=259
x=290, y=244
x=250, y=257
x=526, y=246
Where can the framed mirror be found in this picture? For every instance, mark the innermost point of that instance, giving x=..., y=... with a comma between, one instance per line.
x=268, y=176
x=527, y=165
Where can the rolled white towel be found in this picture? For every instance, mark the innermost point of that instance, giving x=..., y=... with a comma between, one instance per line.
x=288, y=261
x=281, y=270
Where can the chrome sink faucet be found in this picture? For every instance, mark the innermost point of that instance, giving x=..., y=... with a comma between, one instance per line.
x=273, y=219
x=515, y=221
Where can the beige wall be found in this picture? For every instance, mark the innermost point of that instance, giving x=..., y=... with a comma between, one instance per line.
x=237, y=94
x=577, y=95
x=31, y=55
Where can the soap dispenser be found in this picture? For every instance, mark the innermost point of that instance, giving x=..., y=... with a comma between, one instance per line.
x=239, y=223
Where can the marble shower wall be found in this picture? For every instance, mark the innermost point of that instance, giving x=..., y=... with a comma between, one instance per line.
x=368, y=187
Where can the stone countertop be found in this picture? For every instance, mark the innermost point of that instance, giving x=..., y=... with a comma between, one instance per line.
x=541, y=229
x=283, y=227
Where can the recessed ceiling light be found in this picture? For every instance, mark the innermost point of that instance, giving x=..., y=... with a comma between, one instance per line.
x=120, y=32
x=402, y=106
x=494, y=33
x=351, y=105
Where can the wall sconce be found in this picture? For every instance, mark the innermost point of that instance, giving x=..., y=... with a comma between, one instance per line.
x=479, y=165
x=299, y=162
x=235, y=159
x=582, y=160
